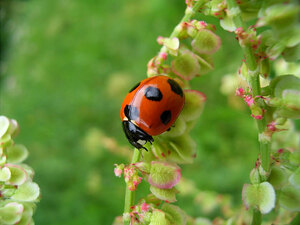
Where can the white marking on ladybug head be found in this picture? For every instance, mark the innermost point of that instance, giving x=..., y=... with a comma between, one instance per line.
x=141, y=142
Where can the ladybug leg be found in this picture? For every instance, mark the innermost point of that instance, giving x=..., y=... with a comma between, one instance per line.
x=169, y=129
x=144, y=148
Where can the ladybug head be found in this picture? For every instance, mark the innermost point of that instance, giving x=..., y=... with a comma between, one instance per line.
x=135, y=135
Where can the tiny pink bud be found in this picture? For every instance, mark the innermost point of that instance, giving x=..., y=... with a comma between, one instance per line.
x=163, y=55
x=249, y=100
x=131, y=187
x=160, y=40
x=239, y=30
x=202, y=24
x=118, y=172
x=280, y=151
x=258, y=117
x=144, y=207
x=272, y=126
x=240, y=92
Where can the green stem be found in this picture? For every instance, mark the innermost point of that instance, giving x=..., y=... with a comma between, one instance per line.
x=256, y=91
x=254, y=82
x=256, y=218
x=129, y=195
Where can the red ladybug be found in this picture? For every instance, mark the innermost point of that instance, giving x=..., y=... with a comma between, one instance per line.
x=150, y=108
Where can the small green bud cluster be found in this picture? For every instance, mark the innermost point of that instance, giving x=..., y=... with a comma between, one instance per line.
x=188, y=60
x=18, y=193
x=146, y=212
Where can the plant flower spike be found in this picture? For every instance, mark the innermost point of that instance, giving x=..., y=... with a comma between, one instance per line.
x=18, y=193
x=158, y=114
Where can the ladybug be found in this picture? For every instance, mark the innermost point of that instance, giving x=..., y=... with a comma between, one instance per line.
x=150, y=108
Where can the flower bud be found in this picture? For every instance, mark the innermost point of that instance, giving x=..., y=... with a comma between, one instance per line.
x=254, y=176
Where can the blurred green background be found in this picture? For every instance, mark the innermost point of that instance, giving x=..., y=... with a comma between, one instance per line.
x=65, y=68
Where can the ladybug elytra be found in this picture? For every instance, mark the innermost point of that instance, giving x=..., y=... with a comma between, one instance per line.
x=150, y=108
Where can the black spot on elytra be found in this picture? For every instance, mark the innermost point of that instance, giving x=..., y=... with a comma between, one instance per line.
x=135, y=86
x=165, y=117
x=153, y=93
x=175, y=87
x=131, y=112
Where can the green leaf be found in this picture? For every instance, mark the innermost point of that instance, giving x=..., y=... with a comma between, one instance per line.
x=16, y=153
x=290, y=198
x=228, y=24
x=285, y=82
x=205, y=62
x=164, y=175
x=292, y=54
x=18, y=175
x=172, y=45
x=275, y=50
x=4, y=174
x=261, y=196
x=159, y=218
x=181, y=149
x=144, y=167
x=293, y=37
x=26, y=218
x=164, y=194
x=278, y=177
x=194, y=104
x=185, y=147
x=4, y=125
x=27, y=192
x=13, y=127
x=6, y=140
x=11, y=213
x=28, y=170
x=174, y=214
x=295, y=178
x=186, y=65
x=280, y=16
x=206, y=42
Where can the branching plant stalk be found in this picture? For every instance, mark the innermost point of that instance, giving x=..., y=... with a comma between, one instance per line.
x=256, y=91
x=129, y=195
x=254, y=83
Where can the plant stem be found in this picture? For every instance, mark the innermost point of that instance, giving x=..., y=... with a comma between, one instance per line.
x=256, y=91
x=129, y=195
x=256, y=218
x=254, y=83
